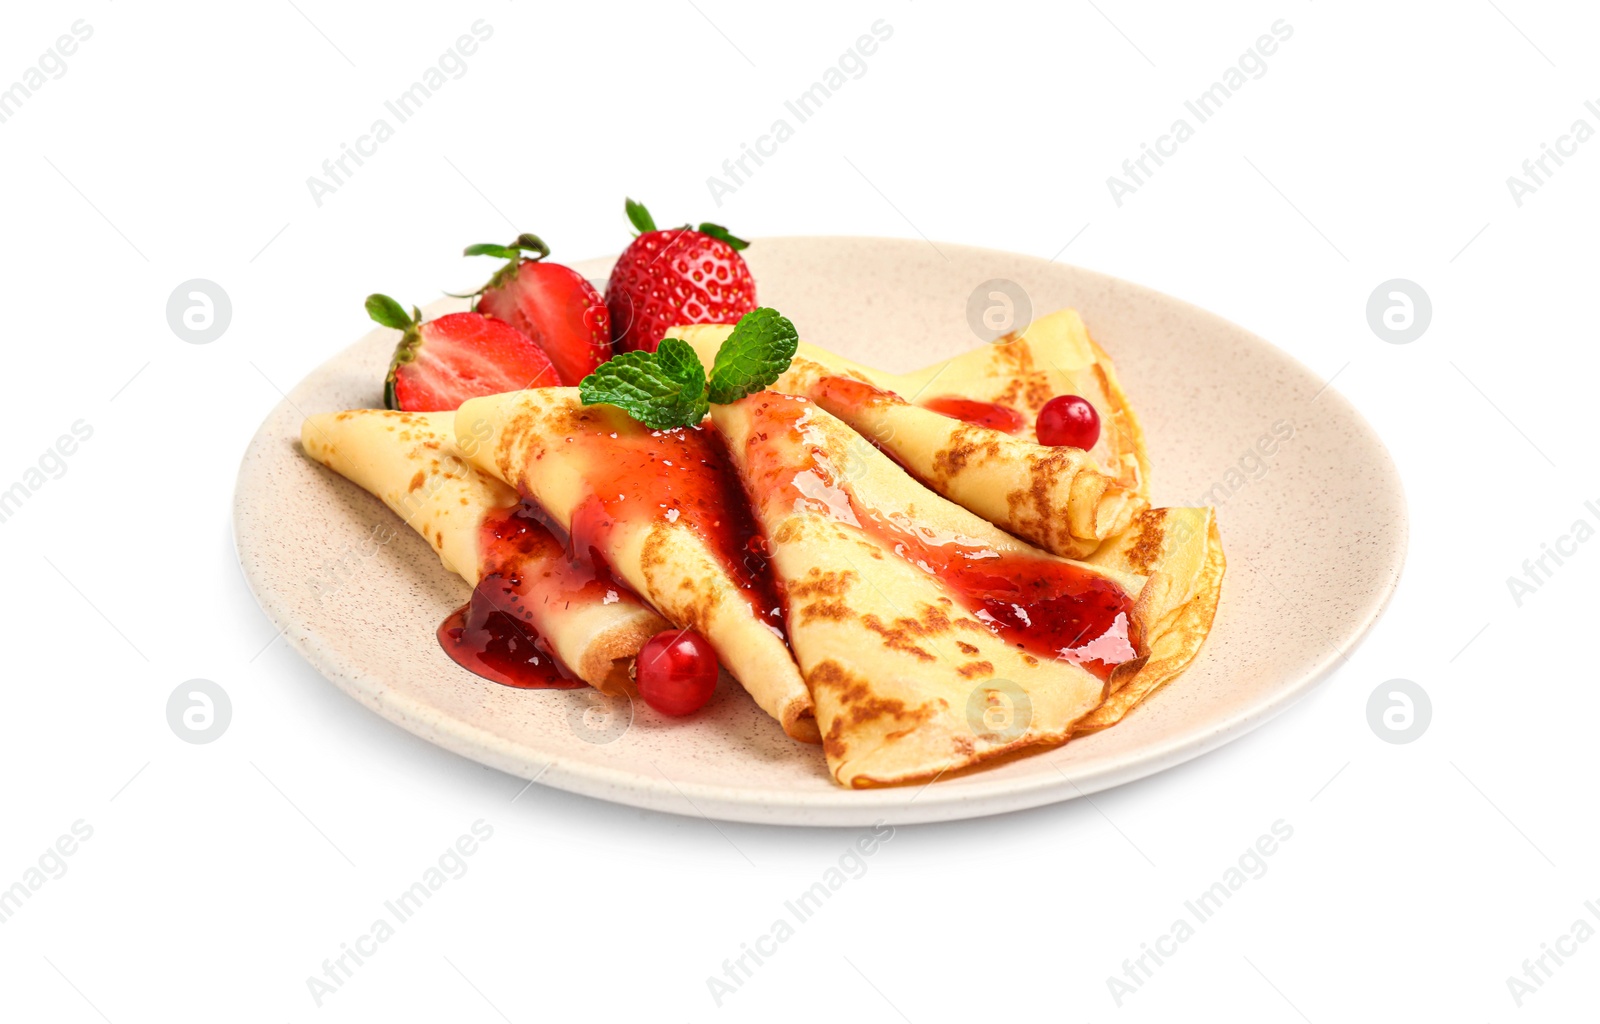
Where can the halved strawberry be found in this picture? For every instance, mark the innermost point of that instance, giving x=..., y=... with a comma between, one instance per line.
x=442, y=363
x=550, y=303
x=676, y=276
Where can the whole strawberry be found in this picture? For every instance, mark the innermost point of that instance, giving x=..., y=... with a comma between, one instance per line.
x=677, y=276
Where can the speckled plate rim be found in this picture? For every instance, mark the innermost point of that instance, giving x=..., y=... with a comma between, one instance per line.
x=838, y=807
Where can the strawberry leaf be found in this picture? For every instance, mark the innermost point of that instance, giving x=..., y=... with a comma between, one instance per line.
x=722, y=234
x=754, y=355
x=639, y=216
x=390, y=313
x=505, y=252
x=524, y=242
x=534, y=244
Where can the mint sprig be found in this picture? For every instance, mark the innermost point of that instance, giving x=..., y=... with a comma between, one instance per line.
x=661, y=389
x=669, y=387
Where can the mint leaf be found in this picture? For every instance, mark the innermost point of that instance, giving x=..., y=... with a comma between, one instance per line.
x=677, y=360
x=668, y=388
x=661, y=389
x=753, y=356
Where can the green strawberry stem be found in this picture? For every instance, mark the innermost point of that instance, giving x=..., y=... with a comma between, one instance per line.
x=641, y=219
x=514, y=252
x=390, y=313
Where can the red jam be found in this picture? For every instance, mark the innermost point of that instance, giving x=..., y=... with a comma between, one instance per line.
x=1051, y=608
x=850, y=394
x=677, y=476
x=501, y=647
x=636, y=474
x=523, y=562
x=982, y=414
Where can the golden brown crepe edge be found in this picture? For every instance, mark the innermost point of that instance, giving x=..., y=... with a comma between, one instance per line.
x=1178, y=644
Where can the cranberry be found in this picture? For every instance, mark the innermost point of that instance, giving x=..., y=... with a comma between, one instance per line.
x=677, y=671
x=1068, y=421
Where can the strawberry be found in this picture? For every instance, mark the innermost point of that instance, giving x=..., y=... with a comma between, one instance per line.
x=442, y=363
x=677, y=276
x=550, y=303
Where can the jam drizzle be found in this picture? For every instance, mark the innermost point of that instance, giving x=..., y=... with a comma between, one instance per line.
x=672, y=476
x=982, y=414
x=523, y=562
x=680, y=476
x=1050, y=608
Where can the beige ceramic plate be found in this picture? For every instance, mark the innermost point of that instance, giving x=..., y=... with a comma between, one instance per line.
x=1314, y=527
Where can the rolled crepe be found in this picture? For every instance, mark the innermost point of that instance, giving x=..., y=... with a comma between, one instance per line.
x=911, y=677
x=1062, y=499
x=1180, y=549
x=411, y=462
x=657, y=506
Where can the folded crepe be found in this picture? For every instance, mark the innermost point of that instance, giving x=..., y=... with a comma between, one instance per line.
x=1062, y=499
x=1180, y=550
x=412, y=462
x=1021, y=371
x=931, y=640
x=661, y=509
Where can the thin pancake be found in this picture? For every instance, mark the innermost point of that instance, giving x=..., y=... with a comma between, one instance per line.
x=410, y=460
x=911, y=677
x=1062, y=499
x=662, y=511
x=1181, y=550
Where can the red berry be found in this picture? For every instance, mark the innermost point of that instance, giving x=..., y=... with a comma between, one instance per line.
x=559, y=310
x=440, y=364
x=1068, y=421
x=677, y=671
x=672, y=277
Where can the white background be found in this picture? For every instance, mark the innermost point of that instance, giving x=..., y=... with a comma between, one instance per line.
x=177, y=145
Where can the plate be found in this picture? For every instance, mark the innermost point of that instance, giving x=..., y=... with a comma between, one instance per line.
x=1310, y=505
